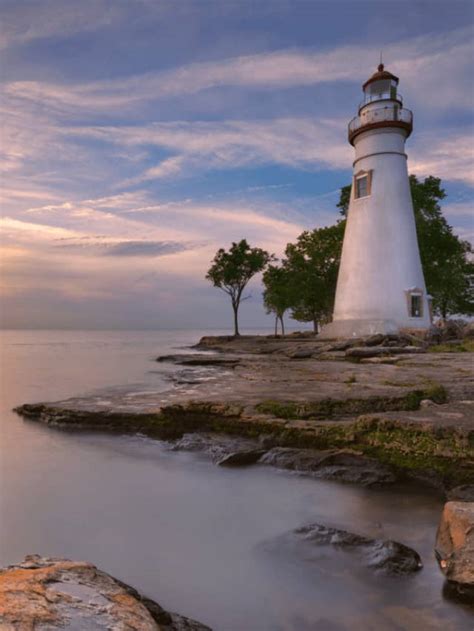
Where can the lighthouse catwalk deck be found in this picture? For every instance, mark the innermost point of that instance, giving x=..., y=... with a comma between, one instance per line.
x=380, y=286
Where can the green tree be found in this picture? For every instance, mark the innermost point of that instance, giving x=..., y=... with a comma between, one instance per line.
x=278, y=295
x=344, y=199
x=232, y=270
x=446, y=259
x=313, y=262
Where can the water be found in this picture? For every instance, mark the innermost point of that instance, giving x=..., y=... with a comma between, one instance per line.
x=183, y=531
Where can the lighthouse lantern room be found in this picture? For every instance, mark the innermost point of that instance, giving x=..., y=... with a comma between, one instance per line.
x=380, y=286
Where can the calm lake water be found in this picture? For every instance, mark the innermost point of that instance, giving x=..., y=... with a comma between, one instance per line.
x=178, y=528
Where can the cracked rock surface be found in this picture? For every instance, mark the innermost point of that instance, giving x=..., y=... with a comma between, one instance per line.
x=44, y=594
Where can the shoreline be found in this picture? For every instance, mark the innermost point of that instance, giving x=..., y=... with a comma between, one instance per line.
x=402, y=422
x=396, y=406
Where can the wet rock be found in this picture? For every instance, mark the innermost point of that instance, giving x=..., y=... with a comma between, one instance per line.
x=217, y=446
x=386, y=556
x=200, y=360
x=463, y=493
x=458, y=593
x=340, y=465
x=345, y=466
x=242, y=458
x=454, y=547
x=45, y=593
x=304, y=460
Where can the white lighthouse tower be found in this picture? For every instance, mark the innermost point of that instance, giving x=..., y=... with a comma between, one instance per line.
x=380, y=287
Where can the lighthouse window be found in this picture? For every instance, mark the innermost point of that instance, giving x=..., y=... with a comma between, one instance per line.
x=362, y=186
x=416, y=306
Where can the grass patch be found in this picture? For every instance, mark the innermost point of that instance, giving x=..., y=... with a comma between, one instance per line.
x=399, y=384
x=436, y=392
x=351, y=379
x=466, y=346
x=329, y=408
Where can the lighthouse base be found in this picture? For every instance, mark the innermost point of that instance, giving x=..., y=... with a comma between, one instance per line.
x=357, y=328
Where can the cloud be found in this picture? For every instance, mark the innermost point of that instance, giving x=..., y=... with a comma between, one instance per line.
x=166, y=168
x=459, y=209
x=450, y=157
x=27, y=21
x=145, y=248
x=296, y=142
x=302, y=143
x=420, y=61
x=102, y=246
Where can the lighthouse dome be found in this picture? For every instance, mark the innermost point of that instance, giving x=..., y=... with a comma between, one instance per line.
x=381, y=75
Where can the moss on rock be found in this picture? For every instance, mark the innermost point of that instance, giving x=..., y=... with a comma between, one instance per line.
x=329, y=408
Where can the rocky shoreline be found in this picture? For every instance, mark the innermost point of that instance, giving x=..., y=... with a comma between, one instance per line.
x=372, y=412
x=410, y=414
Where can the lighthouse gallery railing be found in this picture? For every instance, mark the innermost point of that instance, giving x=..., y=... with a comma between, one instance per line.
x=381, y=116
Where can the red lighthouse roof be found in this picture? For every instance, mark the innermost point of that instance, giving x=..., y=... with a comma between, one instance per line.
x=380, y=75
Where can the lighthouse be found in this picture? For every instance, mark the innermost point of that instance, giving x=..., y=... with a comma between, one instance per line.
x=380, y=287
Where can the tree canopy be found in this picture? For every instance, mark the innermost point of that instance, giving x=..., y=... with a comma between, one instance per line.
x=232, y=270
x=279, y=292
x=313, y=262
x=447, y=264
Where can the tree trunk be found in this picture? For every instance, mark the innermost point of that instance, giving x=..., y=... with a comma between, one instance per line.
x=315, y=326
x=276, y=326
x=282, y=326
x=236, y=320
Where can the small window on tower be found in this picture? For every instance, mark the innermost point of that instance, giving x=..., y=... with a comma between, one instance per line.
x=416, y=306
x=362, y=186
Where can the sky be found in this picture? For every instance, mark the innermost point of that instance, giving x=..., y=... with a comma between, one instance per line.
x=139, y=136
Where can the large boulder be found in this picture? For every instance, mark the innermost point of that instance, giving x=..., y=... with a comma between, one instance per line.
x=455, y=548
x=45, y=594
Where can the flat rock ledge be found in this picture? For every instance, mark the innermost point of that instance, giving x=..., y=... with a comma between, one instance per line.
x=455, y=549
x=414, y=417
x=44, y=594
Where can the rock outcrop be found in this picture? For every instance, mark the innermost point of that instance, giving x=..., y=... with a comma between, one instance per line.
x=455, y=548
x=384, y=556
x=242, y=458
x=363, y=352
x=341, y=465
x=463, y=493
x=197, y=359
x=44, y=594
x=383, y=411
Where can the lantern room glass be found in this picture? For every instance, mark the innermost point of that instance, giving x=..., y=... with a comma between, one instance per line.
x=384, y=89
